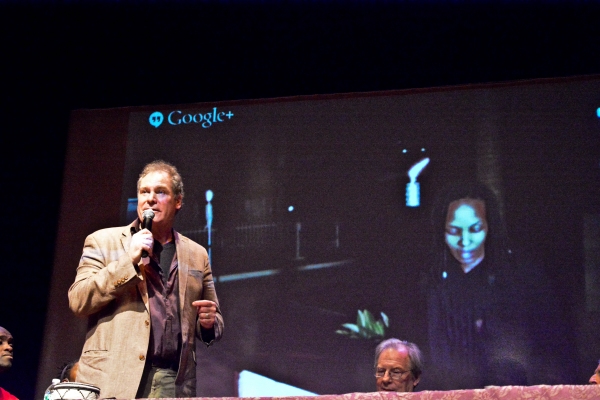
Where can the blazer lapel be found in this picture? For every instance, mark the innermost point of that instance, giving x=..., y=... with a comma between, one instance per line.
x=182, y=265
x=143, y=288
x=125, y=241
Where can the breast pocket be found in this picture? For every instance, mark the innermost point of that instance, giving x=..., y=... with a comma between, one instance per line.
x=195, y=282
x=95, y=359
x=196, y=273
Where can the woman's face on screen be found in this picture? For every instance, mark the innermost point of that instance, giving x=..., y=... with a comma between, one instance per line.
x=466, y=230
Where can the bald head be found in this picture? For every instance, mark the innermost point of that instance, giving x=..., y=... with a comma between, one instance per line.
x=6, y=349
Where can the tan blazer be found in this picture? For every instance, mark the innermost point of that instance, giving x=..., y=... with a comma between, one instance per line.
x=112, y=294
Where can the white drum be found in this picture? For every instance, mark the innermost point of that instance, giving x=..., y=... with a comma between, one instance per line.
x=72, y=391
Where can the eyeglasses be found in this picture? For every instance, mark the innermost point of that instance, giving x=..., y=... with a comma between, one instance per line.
x=395, y=374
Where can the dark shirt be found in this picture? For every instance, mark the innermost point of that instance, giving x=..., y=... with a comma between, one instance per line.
x=499, y=325
x=163, y=287
x=458, y=319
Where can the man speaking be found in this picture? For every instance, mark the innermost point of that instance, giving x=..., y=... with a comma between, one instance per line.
x=147, y=292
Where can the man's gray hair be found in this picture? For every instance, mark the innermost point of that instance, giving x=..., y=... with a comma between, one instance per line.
x=414, y=354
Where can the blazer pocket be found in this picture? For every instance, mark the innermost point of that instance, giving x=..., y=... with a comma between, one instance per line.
x=95, y=359
x=196, y=273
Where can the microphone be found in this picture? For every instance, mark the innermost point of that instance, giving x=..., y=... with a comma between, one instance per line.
x=147, y=217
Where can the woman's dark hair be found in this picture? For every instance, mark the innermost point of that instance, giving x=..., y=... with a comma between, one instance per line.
x=496, y=242
x=65, y=370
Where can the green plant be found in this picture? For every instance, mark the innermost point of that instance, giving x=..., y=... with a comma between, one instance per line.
x=366, y=326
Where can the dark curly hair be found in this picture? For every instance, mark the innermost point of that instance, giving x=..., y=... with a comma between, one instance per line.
x=65, y=370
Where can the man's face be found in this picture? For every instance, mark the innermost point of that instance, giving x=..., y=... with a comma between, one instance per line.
x=155, y=193
x=466, y=230
x=6, y=350
x=395, y=367
x=595, y=378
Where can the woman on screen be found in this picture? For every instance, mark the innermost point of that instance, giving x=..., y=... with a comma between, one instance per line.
x=479, y=297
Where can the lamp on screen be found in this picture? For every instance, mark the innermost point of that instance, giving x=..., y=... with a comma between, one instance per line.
x=413, y=192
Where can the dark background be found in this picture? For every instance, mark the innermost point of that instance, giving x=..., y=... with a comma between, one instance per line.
x=59, y=56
